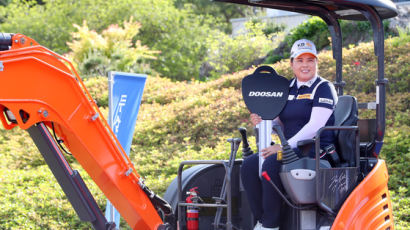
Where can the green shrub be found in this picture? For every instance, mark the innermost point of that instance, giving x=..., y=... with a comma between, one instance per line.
x=401, y=208
x=360, y=66
x=397, y=149
x=273, y=28
x=98, y=88
x=314, y=29
x=112, y=50
x=32, y=199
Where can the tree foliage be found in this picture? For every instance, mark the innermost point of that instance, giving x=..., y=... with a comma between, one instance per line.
x=179, y=34
x=112, y=50
x=181, y=37
x=51, y=23
x=222, y=11
x=315, y=29
x=230, y=54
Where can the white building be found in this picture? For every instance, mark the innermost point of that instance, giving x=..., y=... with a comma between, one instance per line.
x=291, y=19
x=279, y=17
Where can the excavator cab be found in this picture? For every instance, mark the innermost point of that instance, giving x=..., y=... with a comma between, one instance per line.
x=350, y=190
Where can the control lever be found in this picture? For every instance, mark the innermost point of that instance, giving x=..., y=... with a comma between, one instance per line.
x=288, y=155
x=235, y=142
x=246, y=150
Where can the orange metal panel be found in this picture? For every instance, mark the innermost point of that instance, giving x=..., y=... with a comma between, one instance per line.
x=45, y=86
x=369, y=205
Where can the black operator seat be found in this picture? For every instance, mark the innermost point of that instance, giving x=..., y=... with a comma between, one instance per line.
x=346, y=114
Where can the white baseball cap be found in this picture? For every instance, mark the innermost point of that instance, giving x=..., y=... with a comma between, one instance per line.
x=303, y=46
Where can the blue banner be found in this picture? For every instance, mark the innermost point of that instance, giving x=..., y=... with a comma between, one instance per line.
x=124, y=99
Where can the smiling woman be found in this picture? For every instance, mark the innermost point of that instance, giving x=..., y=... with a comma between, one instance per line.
x=303, y=60
x=304, y=67
x=309, y=107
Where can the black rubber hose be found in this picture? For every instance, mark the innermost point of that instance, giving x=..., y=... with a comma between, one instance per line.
x=156, y=200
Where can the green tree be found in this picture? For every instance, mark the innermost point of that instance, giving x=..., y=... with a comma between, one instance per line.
x=316, y=29
x=220, y=10
x=113, y=49
x=179, y=34
x=51, y=23
x=230, y=54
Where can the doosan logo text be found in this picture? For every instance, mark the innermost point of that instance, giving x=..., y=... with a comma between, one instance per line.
x=265, y=94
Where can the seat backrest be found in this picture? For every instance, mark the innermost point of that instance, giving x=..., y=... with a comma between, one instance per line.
x=346, y=111
x=346, y=114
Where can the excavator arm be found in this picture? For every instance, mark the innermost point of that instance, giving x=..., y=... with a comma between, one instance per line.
x=39, y=88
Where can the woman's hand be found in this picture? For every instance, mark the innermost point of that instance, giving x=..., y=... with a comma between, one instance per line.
x=270, y=150
x=255, y=119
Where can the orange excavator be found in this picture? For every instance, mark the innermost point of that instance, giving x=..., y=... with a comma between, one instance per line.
x=41, y=92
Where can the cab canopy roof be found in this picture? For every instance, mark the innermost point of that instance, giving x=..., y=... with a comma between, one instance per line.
x=340, y=9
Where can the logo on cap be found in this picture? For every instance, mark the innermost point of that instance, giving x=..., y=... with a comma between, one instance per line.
x=303, y=46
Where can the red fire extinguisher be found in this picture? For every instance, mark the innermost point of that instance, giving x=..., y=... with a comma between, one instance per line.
x=192, y=212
